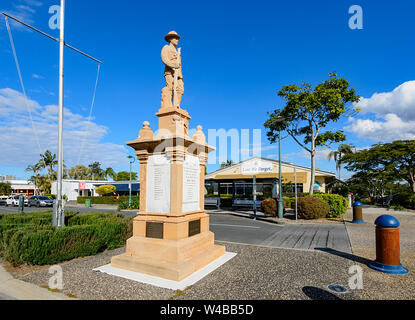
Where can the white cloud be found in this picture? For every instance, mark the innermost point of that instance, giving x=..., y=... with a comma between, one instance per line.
x=23, y=12
x=321, y=154
x=391, y=128
x=18, y=146
x=37, y=76
x=400, y=101
x=394, y=114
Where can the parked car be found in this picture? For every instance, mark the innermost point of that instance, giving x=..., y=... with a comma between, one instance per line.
x=40, y=201
x=3, y=200
x=14, y=201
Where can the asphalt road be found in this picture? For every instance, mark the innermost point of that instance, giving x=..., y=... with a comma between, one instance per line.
x=26, y=209
x=229, y=228
x=67, y=208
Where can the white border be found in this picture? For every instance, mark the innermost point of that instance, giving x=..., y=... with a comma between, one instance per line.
x=164, y=283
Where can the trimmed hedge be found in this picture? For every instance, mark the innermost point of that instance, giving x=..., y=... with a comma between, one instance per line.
x=337, y=203
x=312, y=208
x=32, y=238
x=107, y=199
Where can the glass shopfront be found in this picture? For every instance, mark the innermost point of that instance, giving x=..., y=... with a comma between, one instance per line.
x=244, y=189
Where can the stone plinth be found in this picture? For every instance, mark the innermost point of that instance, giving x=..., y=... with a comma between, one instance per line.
x=171, y=237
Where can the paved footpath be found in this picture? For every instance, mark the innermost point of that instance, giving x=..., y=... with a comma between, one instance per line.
x=14, y=289
x=237, y=229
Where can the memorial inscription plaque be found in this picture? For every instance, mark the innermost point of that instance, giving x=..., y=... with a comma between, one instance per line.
x=194, y=227
x=158, y=184
x=191, y=185
x=154, y=230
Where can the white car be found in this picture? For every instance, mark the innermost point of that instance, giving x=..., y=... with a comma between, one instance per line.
x=14, y=201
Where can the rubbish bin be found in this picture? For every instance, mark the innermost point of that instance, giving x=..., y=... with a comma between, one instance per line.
x=357, y=212
x=21, y=203
x=88, y=203
x=387, y=246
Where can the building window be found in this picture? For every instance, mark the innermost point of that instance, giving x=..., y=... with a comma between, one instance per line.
x=290, y=187
x=226, y=188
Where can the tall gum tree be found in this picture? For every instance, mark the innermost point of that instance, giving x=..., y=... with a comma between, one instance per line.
x=308, y=111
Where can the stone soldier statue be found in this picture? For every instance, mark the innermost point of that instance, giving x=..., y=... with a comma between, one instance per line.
x=172, y=72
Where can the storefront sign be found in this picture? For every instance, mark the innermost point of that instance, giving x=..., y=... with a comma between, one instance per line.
x=256, y=166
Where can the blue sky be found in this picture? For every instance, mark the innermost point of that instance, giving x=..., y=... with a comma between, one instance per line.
x=235, y=55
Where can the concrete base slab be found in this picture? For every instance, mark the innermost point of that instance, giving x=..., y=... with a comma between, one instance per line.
x=165, y=283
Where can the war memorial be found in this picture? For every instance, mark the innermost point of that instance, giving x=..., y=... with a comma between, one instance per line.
x=171, y=237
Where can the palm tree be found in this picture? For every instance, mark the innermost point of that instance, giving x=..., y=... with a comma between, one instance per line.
x=35, y=177
x=48, y=161
x=109, y=172
x=228, y=163
x=337, y=156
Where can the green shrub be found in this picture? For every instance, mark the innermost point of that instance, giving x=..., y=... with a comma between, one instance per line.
x=92, y=217
x=405, y=199
x=135, y=204
x=287, y=202
x=269, y=207
x=106, y=199
x=49, y=247
x=32, y=238
x=105, y=189
x=338, y=204
x=312, y=208
x=397, y=207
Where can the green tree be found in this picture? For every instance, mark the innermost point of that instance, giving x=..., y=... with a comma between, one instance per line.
x=228, y=163
x=337, y=155
x=125, y=176
x=5, y=188
x=109, y=173
x=48, y=161
x=35, y=168
x=386, y=162
x=79, y=172
x=308, y=111
x=95, y=171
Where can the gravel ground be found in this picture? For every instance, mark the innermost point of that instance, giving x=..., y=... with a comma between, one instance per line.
x=378, y=285
x=255, y=273
x=259, y=272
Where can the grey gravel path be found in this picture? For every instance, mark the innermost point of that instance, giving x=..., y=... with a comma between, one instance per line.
x=255, y=273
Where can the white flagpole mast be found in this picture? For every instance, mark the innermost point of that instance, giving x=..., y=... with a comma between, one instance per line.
x=59, y=205
x=58, y=211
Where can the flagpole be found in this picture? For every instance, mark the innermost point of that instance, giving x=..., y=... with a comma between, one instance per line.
x=59, y=206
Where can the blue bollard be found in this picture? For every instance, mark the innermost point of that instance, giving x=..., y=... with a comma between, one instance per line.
x=387, y=246
x=357, y=212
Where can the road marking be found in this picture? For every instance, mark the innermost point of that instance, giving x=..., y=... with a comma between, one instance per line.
x=233, y=225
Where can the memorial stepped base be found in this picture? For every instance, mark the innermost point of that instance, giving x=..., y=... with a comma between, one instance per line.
x=169, y=259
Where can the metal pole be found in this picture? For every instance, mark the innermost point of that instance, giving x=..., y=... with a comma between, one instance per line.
x=254, y=195
x=49, y=36
x=129, y=201
x=280, y=202
x=295, y=186
x=59, y=208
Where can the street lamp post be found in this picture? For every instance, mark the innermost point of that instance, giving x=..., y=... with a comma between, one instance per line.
x=132, y=159
x=280, y=201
